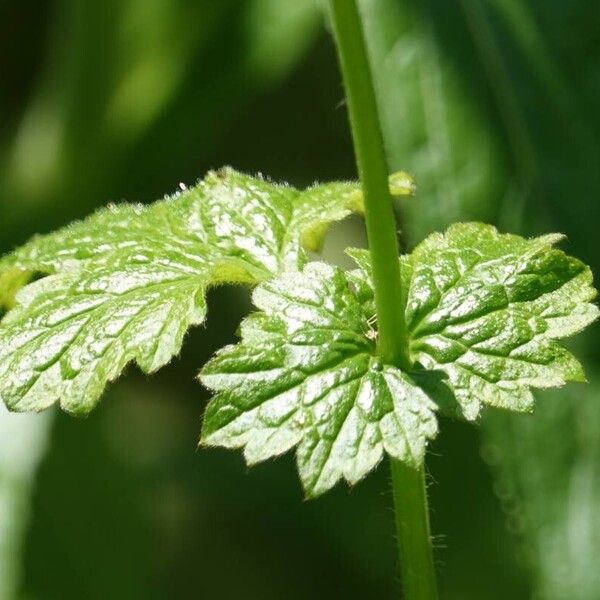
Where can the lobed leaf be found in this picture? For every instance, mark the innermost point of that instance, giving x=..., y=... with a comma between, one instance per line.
x=483, y=309
x=126, y=283
x=305, y=374
x=487, y=308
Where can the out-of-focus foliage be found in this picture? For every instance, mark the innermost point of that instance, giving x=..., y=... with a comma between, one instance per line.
x=432, y=125
x=547, y=470
x=22, y=443
x=116, y=72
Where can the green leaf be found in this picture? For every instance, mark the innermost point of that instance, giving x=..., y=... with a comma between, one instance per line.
x=125, y=284
x=487, y=308
x=483, y=311
x=305, y=375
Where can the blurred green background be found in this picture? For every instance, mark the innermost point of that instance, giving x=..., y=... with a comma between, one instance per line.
x=492, y=104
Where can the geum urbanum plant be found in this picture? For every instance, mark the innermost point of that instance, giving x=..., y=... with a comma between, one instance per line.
x=483, y=310
x=342, y=366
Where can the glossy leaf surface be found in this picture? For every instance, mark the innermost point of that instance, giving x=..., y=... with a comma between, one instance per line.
x=487, y=308
x=125, y=284
x=305, y=375
x=484, y=311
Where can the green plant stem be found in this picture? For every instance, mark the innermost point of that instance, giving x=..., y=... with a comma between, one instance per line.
x=373, y=171
x=414, y=535
x=410, y=498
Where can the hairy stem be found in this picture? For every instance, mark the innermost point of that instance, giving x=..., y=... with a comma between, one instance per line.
x=414, y=536
x=410, y=499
